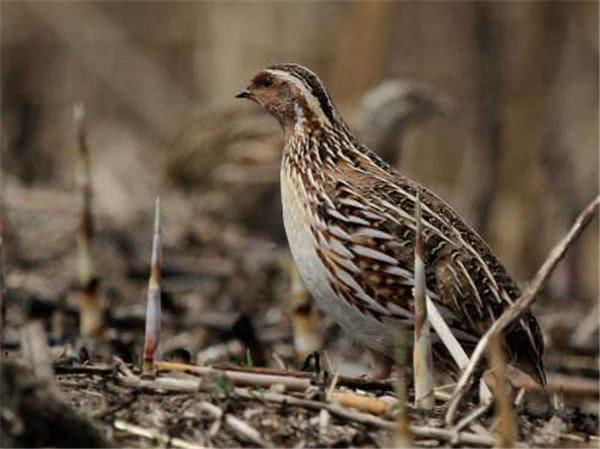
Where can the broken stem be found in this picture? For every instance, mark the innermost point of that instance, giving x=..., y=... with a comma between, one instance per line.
x=422, y=358
x=90, y=310
x=153, y=305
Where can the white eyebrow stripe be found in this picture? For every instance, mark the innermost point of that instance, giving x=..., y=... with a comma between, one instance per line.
x=313, y=102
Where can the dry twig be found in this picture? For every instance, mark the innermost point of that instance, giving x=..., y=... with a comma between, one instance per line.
x=245, y=431
x=162, y=385
x=346, y=381
x=452, y=345
x=239, y=377
x=521, y=304
x=368, y=419
x=155, y=435
x=507, y=427
x=567, y=384
x=480, y=410
x=361, y=402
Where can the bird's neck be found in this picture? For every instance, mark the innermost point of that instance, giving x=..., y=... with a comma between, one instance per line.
x=319, y=146
x=301, y=120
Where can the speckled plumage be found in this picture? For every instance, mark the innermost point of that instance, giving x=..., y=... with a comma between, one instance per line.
x=349, y=218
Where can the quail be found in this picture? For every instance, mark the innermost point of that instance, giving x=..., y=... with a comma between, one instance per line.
x=350, y=222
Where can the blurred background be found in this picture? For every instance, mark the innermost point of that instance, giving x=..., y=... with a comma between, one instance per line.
x=508, y=136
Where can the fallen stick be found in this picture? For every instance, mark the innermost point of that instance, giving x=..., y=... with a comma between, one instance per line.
x=161, y=384
x=238, y=426
x=480, y=410
x=164, y=385
x=348, y=399
x=99, y=369
x=360, y=402
x=569, y=385
x=268, y=376
x=239, y=377
x=562, y=383
x=453, y=346
x=344, y=381
x=507, y=425
x=154, y=434
x=243, y=430
x=366, y=418
x=521, y=304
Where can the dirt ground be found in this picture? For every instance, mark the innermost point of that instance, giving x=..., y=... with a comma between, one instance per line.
x=225, y=304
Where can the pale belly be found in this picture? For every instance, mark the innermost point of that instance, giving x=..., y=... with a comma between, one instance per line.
x=363, y=328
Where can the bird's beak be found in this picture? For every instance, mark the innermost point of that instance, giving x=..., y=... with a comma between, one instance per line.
x=244, y=93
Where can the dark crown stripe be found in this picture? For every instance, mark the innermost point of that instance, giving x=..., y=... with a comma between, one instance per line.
x=313, y=84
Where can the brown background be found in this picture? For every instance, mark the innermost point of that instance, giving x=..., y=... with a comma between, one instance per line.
x=522, y=77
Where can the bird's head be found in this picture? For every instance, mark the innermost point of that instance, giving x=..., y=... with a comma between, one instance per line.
x=293, y=94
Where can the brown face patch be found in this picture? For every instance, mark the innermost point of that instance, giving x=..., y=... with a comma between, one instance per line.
x=283, y=99
x=273, y=94
x=264, y=87
x=263, y=80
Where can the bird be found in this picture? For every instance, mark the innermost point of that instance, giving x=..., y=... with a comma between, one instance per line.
x=393, y=107
x=349, y=218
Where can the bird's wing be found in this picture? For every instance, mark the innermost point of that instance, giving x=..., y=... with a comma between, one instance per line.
x=366, y=240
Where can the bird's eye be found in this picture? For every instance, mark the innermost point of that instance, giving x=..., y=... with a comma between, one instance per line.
x=265, y=82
